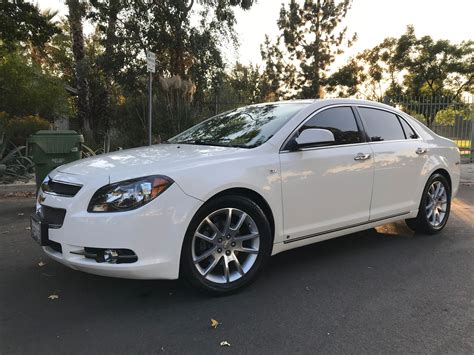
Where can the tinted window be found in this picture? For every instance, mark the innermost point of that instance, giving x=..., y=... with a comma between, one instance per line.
x=244, y=127
x=409, y=132
x=340, y=121
x=381, y=125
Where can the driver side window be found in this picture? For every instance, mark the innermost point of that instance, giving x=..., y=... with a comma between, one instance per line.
x=340, y=121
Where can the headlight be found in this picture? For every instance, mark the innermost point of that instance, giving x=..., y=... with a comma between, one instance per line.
x=128, y=195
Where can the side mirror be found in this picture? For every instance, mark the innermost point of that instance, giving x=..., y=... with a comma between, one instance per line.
x=313, y=136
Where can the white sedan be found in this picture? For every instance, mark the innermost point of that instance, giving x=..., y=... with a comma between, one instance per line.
x=216, y=201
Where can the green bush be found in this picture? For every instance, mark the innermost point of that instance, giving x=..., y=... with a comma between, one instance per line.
x=27, y=90
x=18, y=129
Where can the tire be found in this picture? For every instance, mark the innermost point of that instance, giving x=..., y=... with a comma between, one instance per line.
x=222, y=257
x=431, y=220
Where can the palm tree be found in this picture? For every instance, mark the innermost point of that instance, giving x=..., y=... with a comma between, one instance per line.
x=76, y=14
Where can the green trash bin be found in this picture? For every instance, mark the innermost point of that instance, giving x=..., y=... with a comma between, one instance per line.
x=50, y=149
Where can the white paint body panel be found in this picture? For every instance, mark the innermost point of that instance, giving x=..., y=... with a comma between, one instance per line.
x=321, y=193
x=325, y=188
x=397, y=177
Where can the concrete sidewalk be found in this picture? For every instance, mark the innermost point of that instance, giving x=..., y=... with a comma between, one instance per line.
x=18, y=188
x=467, y=173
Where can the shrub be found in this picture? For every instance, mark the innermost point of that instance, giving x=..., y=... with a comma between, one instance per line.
x=18, y=129
x=27, y=90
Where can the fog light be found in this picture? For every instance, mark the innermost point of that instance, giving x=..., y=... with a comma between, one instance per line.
x=111, y=256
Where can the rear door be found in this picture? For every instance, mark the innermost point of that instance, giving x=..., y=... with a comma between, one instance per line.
x=327, y=187
x=398, y=161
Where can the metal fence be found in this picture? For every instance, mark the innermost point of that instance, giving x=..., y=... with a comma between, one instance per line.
x=448, y=116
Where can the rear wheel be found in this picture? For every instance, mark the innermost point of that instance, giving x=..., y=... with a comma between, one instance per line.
x=435, y=205
x=226, y=245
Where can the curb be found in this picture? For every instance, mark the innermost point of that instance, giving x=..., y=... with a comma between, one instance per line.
x=6, y=189
x=467, y=174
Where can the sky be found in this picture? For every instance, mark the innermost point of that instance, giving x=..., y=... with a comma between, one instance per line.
x=373, y=20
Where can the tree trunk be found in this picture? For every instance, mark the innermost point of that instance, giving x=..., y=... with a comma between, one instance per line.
x=317, y=77
x=110, y=40
x=76, y=13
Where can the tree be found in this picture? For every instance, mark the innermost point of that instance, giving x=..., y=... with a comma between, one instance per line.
x=276, y=75
x=106, y=70
x=439, y=71
x=313, y=38
x=105, y=15
x=241, y=85
x=22, y=23
x=76, y=14
x=345, y=81
x=435, y=67
x=244, y=80
x=57, y=57
x=411, y=66
x=371, y=74
x=27, y=90
x=188, y=52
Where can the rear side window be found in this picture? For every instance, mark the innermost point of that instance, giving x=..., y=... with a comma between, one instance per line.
x=381, y=125
x=409, y=132
x=340, y=121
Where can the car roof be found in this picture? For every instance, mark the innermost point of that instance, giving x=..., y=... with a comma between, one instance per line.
x=315, y=104
x=333, y=101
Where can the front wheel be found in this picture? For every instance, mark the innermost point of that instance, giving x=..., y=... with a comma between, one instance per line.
x=226, y=244
x=435, y=206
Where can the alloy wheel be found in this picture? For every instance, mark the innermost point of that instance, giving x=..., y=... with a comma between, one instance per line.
x=436, y=204
x=225, y=245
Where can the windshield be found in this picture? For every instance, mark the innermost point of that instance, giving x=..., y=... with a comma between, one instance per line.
x=245, y=127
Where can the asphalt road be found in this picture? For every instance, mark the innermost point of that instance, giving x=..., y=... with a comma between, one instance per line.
x=380, y=291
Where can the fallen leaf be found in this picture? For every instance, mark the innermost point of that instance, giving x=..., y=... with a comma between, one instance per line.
x=41, y=263
x=214, y=323
x=53, y=297
x=224, y=343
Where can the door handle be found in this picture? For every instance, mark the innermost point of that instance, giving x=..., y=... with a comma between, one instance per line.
x=421, y=151
x=362, y=156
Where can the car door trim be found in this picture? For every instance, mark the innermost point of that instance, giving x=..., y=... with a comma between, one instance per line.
x=325, y=147
x=344, y=228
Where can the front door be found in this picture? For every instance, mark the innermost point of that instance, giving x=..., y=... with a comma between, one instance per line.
x=327, y=187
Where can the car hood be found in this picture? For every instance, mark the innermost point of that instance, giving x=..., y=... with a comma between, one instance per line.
x=165, y=159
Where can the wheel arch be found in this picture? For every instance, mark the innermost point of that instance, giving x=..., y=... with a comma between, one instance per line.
x=253, y=196
x=444, y=173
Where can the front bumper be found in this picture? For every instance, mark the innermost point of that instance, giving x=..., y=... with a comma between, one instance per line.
x=154, y=232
